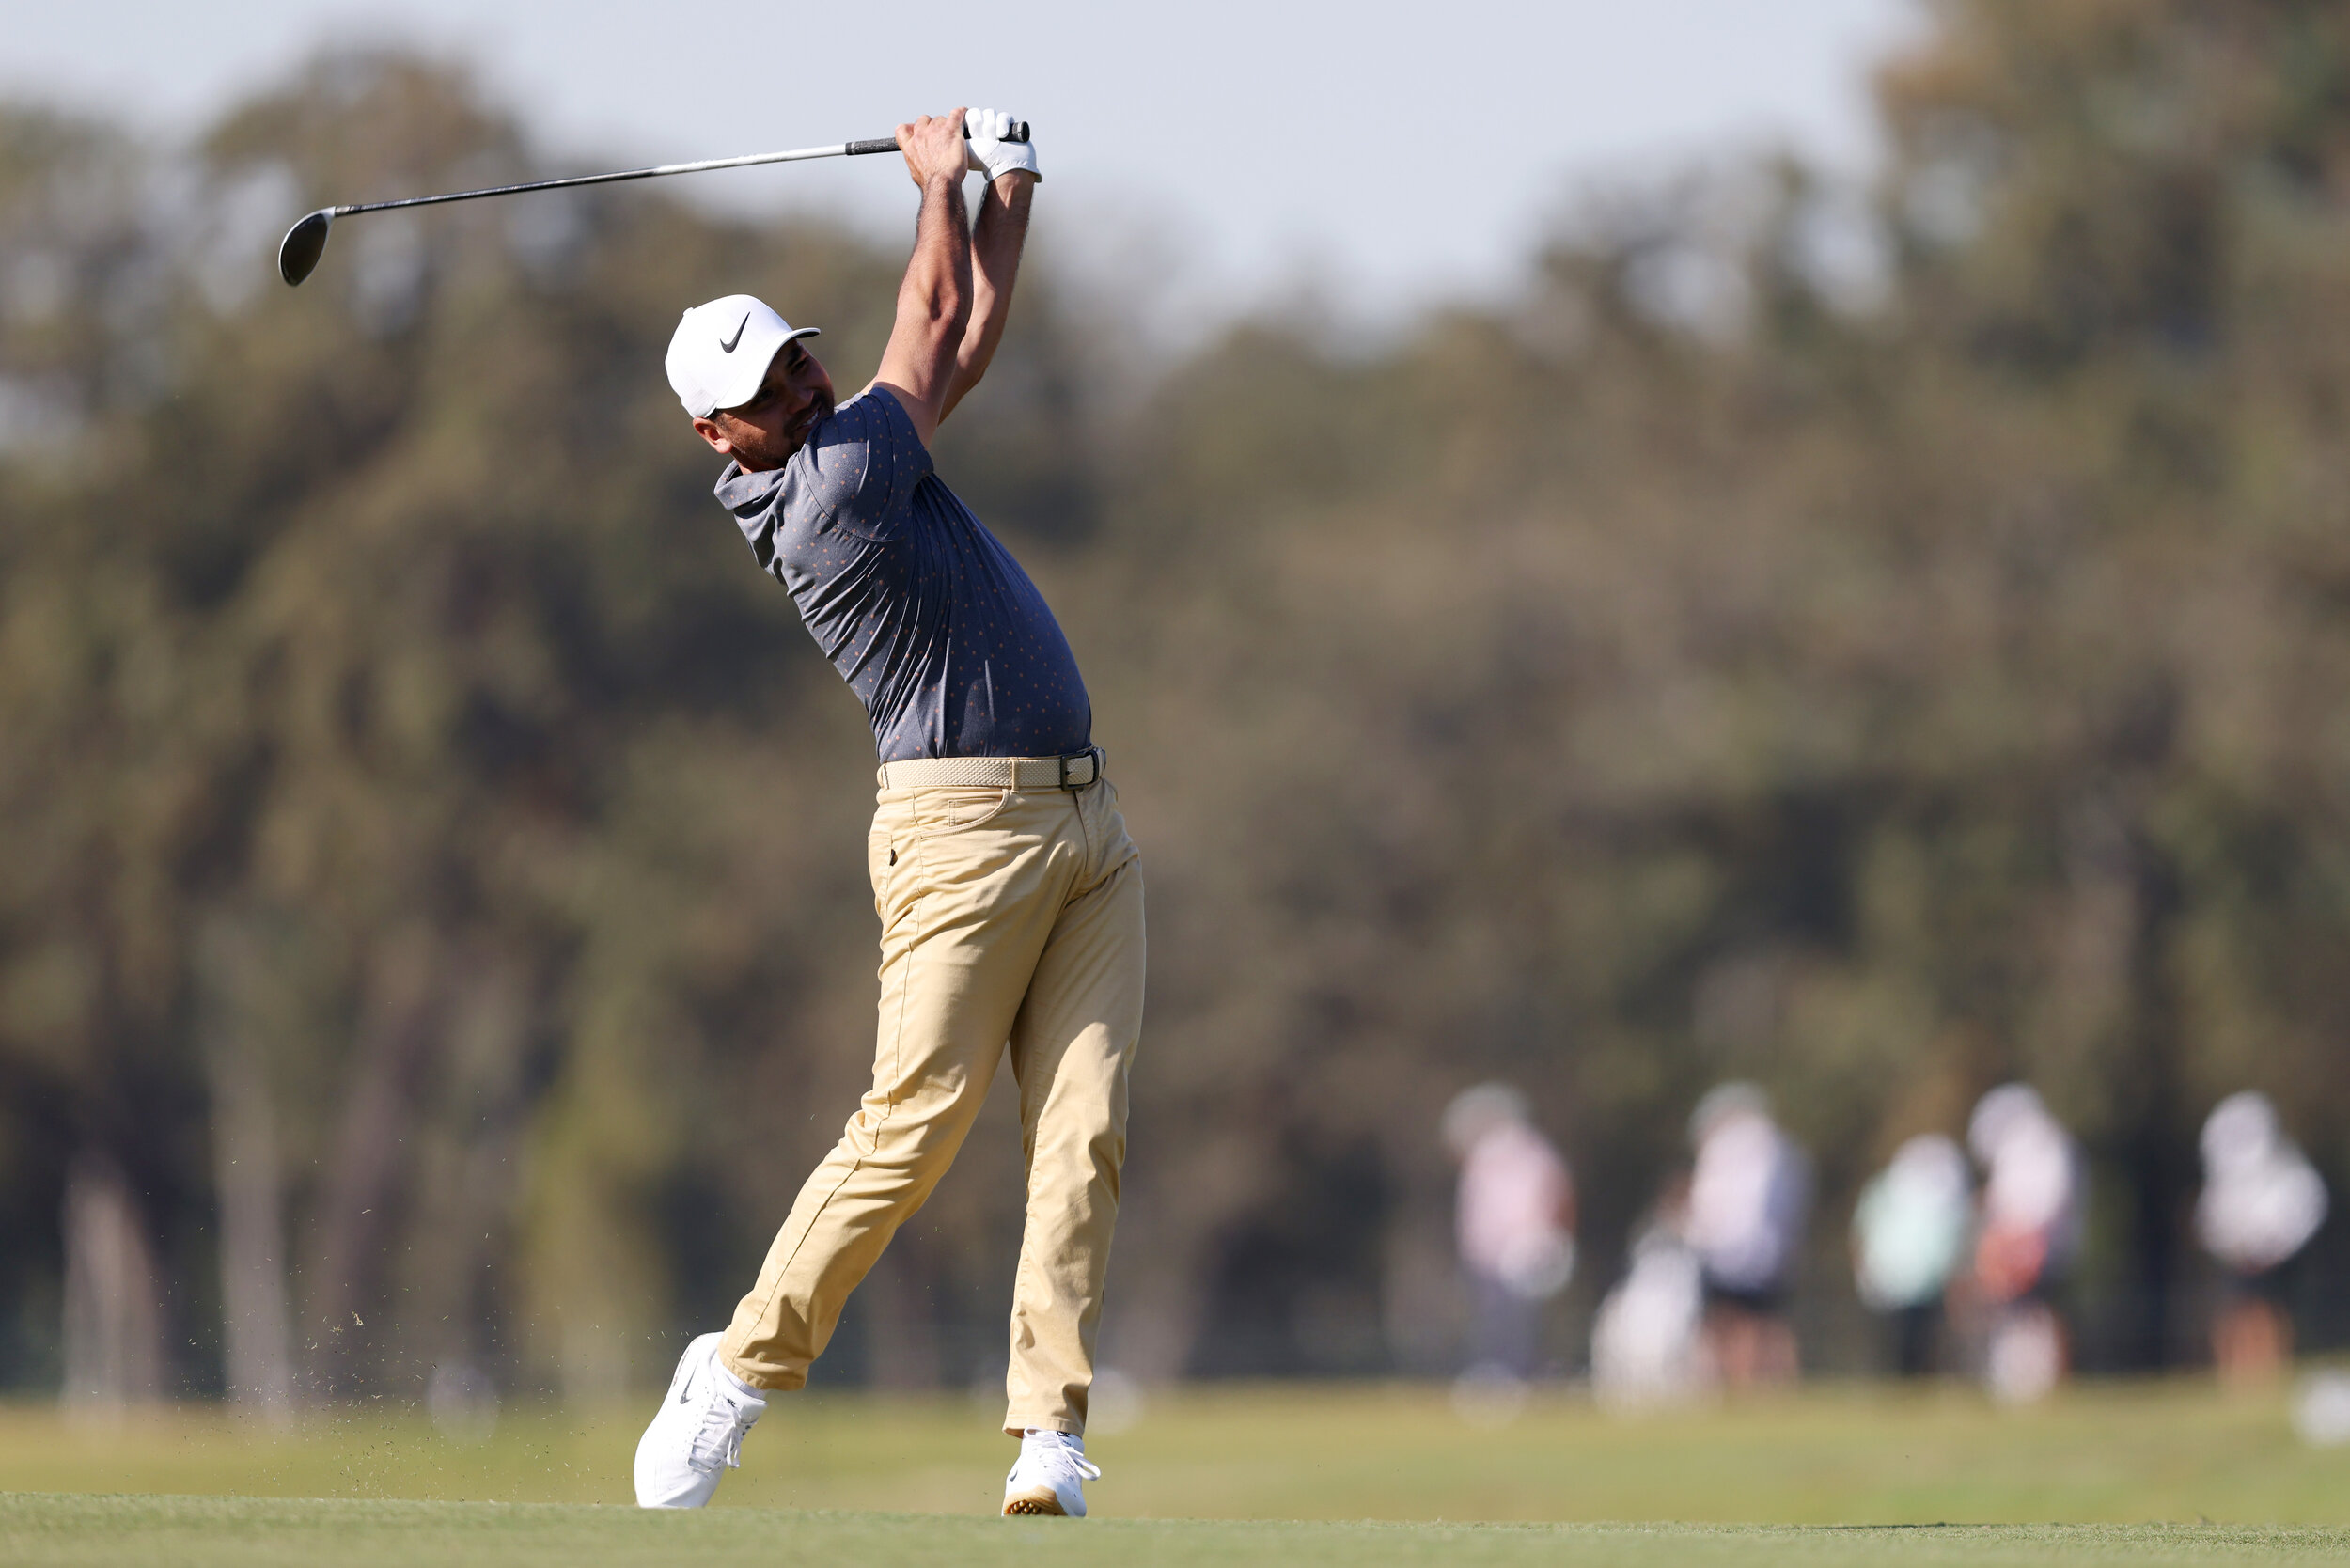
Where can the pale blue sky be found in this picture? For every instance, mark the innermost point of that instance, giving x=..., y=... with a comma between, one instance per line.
x=1402, y=152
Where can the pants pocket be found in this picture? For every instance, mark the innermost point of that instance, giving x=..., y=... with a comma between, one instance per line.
x=952, y=810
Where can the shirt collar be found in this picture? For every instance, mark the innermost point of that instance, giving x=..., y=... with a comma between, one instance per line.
x=736, y=488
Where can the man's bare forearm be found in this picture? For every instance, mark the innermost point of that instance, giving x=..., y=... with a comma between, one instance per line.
x=934, y=308
x=996, y=243
x=935, y=301
x=936, y=292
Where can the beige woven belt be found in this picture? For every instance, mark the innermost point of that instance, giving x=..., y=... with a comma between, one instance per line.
x=994, y=773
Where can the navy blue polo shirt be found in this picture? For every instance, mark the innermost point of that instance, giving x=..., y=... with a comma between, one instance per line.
x=924, y=613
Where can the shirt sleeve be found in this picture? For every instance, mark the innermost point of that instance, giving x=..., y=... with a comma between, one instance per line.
x=859, y=468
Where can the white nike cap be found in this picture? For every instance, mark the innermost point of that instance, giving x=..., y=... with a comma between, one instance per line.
x=721, y=351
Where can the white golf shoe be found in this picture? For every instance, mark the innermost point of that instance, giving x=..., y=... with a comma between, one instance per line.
x=698, y=1436
x=1050, y=1477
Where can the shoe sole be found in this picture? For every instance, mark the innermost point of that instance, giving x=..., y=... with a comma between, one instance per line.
x=1040, y=1502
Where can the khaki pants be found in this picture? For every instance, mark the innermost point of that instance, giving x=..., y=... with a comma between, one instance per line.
x=1006, y=915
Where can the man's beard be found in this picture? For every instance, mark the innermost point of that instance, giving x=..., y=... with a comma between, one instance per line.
x=818, y=410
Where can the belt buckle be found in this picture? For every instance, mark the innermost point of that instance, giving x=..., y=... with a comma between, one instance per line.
x=1091, y=754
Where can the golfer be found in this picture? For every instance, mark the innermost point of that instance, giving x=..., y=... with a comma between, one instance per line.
x=1010, y=895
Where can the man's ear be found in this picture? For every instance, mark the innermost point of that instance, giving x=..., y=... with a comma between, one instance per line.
x=709, y=431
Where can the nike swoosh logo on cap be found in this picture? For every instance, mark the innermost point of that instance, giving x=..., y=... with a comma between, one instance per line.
x=727, y=344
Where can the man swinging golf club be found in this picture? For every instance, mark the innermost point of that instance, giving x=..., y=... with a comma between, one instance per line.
x=1010, y=895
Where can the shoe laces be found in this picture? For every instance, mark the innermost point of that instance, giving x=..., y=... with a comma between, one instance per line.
x=1060, y=1460
x=719, y=1438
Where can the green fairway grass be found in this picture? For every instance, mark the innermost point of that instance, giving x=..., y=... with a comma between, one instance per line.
x=42, y=1530
x=2123, y=1454
x=2162, y=1472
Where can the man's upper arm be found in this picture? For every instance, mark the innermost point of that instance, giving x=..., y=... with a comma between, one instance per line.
x=860, y=466
x=921, y=415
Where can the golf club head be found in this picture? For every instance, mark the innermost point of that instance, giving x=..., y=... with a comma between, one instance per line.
x=303, y=243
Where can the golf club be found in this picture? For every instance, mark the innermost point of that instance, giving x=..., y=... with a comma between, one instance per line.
x=298, y=253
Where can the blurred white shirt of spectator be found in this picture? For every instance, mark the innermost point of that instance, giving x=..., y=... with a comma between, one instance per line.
x=2031, y=1193
x=1749, y=1193
x=1514, y=1228
x=2262, y=1200
x=2030, y=1227
x=1909, y=1228
x=1515, y=1196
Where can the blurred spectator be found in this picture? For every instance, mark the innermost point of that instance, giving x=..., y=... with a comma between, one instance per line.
x=2030, y=1230
x=1644, y=1341
x=1748, y=1197
x=1515, y=1224
x=2262, y=1202
x=1908, y=1234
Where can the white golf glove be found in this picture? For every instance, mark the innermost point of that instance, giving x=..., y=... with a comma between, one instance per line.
x=990, y=152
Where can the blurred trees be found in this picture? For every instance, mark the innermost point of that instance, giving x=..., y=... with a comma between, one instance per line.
x=433, y=917
x=1879, y=704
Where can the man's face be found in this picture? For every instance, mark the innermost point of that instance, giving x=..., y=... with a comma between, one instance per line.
x=764, y=432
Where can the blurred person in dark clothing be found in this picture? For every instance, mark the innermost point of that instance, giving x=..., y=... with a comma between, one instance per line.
x=1908, y=1237
x=2262, y=1202
x=1514, y=1222
x=2028, y=1233
x=1749, y=1196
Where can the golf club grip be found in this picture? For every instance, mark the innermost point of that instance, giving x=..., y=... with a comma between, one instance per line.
x=889, y=144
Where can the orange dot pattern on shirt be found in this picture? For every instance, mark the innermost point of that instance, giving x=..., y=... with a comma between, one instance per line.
x=924, y=613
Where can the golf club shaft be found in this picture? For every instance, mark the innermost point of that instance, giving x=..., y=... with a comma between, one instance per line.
x=838, y=149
